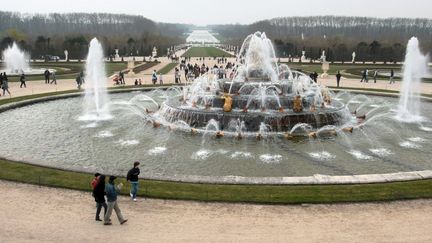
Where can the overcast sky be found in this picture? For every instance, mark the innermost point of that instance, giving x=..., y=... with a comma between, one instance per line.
x=203, y=12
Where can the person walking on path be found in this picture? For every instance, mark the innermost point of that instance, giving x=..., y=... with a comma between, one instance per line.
x=338, y=78
x=23, y=81
x=5, y=84
x=365, y=76
x=160, y=78
x=392, y=77
x=78, y=81
x=47, y=76
x=99, y=196
x=111, y=193
x=132, y=177
x=1, y=80
x=54, y=78
x=95, y=180
x=375, y=76
x=154, y=77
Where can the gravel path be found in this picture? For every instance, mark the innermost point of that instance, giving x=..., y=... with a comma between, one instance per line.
x=38, y=214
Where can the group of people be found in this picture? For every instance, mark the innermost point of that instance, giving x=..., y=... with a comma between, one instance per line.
x=105, y=194
x=50, y=77
x=365, y=76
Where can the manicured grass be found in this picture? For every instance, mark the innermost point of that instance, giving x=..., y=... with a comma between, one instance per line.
x=206, y=52
x=167, y=68
x=144, y=67
x=69, y=70
x=274, y=194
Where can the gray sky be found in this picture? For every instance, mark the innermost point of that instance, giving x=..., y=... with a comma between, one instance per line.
x=202, y=12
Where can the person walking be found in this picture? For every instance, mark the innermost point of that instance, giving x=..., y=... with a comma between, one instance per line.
x=95, y=180
x=338, y=78
x=1, y=80
x=111, y=193
x=23, y=81
x=375, y=76
x=5, y=84
x=81, y=74
x=177, y=75
x=47, y=76
x=154, y=77
x=392, y=77
x=99, y=196
x=132, y=177
x=365, y=76
x=78, y=81
x=160, y=79
x=54, y=78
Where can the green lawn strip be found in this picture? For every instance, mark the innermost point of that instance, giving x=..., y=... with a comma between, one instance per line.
x=28, y=97
x=167, y=68
x=72, y=70
x=144, y=66
x=206, y=52
x=374, y=90
x=275, y=194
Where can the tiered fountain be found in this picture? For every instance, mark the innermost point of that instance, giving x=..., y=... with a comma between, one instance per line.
x=261, y=94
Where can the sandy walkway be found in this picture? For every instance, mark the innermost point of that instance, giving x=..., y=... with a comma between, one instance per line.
x=30, y=213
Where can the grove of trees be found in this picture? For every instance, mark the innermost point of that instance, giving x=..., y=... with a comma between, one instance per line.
x=373, y=39
x=42, y=34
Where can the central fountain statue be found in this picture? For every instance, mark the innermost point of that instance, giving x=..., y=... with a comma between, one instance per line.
x=262, y=93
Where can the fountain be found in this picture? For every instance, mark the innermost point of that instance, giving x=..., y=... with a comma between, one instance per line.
x=414, y=69
x=261, y=92
x=268, y=122
x=96, y=106
x=17, y=62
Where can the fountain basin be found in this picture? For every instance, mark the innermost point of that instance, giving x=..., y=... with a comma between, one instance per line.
x=62, y=141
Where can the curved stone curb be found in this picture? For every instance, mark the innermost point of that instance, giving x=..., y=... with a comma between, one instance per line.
x=307, y=180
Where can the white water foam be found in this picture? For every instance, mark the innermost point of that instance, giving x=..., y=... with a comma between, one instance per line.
x=426, y=129
x=360, y=155
x=201, y=154
x=270, y=158
x=104, y=134
x=238, y=155
x=157, y=151
x=324, y=155
x=90, y=125
x=417, y=140
x=408, y=144
x=127, y=142
x=381, y=152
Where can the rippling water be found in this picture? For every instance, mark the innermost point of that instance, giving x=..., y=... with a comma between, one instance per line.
x=50, y=134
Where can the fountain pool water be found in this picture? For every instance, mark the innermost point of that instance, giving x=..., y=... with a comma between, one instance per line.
x=256, y=126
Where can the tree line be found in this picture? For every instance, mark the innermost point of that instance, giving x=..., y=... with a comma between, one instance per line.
x=373, y=39
x=43, y=34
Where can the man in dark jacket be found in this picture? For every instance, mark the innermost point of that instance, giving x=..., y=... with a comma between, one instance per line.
x=23, y=81
x=47, y=76
x=338, y=78
x=132, y=177
x=99, y=195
